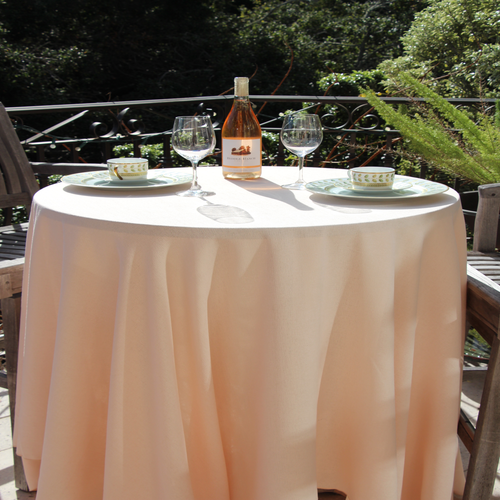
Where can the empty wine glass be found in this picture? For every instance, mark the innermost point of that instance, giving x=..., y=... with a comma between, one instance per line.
x=193, y=138
x=301, y=134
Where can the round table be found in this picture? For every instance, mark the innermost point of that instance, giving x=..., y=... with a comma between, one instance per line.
x=257, y=344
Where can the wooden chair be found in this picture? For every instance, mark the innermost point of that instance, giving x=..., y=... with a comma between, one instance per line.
x=18, y=184
x=483, y=314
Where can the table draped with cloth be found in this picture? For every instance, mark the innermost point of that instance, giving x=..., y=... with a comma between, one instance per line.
x=281, y=342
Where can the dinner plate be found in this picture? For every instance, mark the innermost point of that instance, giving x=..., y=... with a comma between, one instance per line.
x=404, y=187
x=100, y=179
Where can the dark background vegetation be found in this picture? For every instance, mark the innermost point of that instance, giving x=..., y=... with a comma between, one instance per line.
x=60, y=51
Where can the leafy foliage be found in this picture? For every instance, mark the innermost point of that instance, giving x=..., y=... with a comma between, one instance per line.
x=19, y=215
x=96, y=50
x=55, y=51
x=153, y=152
x=445, y=136
x=270, y=144
x=324, y=36
x=455, y=38
x=346, y=84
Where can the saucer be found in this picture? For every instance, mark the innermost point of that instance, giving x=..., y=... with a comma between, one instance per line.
x=100, y=179
x=403, y=187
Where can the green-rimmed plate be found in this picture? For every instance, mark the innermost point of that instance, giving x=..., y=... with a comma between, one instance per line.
x=404, y=187
x=100, y=179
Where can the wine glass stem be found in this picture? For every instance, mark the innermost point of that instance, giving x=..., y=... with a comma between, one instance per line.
x=194, y=185
x=301, y=169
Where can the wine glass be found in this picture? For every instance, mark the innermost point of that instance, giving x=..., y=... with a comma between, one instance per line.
x=193, y=138
x=301, y=134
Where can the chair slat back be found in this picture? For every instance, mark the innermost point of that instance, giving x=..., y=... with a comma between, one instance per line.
x=18, y=184
x=486, y=225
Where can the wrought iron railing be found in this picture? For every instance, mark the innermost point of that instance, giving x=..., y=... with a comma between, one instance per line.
x=90, y=130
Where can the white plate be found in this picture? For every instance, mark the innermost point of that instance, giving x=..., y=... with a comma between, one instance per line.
x=404, y=187
x=100, y=179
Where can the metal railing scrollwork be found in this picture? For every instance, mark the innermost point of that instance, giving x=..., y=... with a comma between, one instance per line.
x=91, y=131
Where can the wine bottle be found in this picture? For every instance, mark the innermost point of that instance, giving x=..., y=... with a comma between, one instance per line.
x=241, y=137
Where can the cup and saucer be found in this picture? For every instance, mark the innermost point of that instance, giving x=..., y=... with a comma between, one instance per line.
x=127, y=174
x=374, y=182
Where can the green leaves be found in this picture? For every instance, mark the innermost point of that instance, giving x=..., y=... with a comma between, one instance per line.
x=343, y=84
x=458, y=38
x=444, y=135
x=95, y=50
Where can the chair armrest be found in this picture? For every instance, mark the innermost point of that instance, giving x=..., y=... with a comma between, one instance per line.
x=483, y=304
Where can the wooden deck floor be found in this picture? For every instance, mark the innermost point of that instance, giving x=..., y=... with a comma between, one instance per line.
x=472, y=386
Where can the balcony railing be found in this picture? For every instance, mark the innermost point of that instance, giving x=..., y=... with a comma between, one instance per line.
x=88, y=132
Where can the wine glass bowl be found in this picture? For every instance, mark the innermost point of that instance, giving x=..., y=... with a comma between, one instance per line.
x=193, y=138
x=301, y=134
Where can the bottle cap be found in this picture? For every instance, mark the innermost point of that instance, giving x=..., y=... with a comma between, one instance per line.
x=241, y=86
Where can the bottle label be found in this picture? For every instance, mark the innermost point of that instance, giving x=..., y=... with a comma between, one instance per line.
x=238, y=154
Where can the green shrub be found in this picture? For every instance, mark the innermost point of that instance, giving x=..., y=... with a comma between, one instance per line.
x=153, y=152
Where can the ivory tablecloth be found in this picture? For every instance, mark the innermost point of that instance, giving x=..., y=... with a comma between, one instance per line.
x=167, y=354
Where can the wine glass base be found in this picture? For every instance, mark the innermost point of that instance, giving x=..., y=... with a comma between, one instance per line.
x=195, y=193
x=295, y=185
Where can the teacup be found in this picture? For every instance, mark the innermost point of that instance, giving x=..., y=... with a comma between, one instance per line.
x=128, y=169
x=371, y=178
